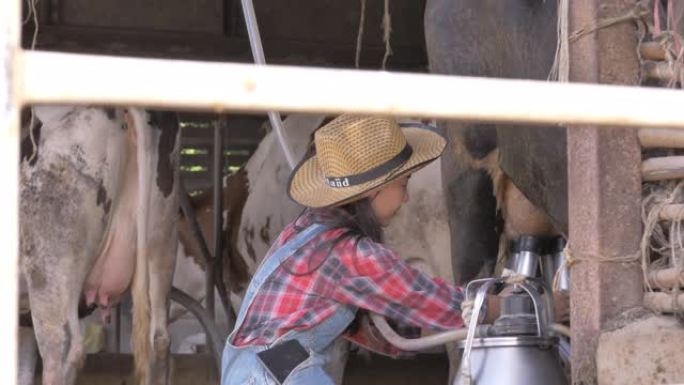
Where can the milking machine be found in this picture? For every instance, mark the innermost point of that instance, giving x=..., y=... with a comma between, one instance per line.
x=523, y=346
x=519, y=347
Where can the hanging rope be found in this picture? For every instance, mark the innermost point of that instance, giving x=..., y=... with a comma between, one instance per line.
x=359, y=36
x=560, y=70
x=387, y=31
x=33, y=12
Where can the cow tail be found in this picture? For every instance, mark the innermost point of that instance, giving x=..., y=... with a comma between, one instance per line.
x=141, y=339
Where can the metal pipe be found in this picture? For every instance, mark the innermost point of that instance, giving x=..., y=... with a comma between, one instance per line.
x=10, y=103
x=89, y=79
x=218, y=215
x=260, y=59
x=189, y=213
x=117, y=329
x=213, y=338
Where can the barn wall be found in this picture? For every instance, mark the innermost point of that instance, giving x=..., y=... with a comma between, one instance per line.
x=169, y=15
x=306, y=32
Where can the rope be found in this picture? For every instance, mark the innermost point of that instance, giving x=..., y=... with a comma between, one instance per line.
x=639, y=11
x=359, y=37
x=560, y=70
x=33, y=11
x=387, y=30
x=571, y=260
x=467, y=311
x=652, y=205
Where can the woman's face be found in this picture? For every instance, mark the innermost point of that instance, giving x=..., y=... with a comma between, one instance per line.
x=387, y=201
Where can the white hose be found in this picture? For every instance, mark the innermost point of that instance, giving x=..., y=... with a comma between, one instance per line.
x=422, y=343
x=561, y=329
x=415, y=344
x=260, y=58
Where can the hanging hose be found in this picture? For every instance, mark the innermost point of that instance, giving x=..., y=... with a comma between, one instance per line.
x=260, y=59
x=422, y=343
x=560, y=329
x=214, y=339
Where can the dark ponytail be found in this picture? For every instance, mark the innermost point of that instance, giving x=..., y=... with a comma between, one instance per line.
x=363, y=224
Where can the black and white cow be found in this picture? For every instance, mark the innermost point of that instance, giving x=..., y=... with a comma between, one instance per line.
x=98, y=216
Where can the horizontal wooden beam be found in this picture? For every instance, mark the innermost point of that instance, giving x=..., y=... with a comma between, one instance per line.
x=663, y=71
x=59, y=78
x=651, y=50
x=663, y=302
x=662, y=168
x=673, y=212
x=661, y=138
x=666, y=278
x=205, y=160
x=207, y=143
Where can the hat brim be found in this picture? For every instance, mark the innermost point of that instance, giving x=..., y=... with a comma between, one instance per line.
x=307, y=184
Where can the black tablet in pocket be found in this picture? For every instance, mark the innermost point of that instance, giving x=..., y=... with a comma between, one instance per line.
x=282, y=359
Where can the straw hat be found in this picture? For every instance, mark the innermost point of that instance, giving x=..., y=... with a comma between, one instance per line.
x=355, y=154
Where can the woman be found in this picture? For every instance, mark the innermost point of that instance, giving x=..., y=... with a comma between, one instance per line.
x=331, y=262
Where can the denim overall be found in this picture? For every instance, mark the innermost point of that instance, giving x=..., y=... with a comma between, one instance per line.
x=240, y=364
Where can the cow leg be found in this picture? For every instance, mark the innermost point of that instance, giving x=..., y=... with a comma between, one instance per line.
x=55, y=259
x=161, y=265
x=55, y=320
x=158, y=149
x=470, y=197
x=27, y=356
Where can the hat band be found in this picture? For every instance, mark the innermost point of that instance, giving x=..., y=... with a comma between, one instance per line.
x=374, y=173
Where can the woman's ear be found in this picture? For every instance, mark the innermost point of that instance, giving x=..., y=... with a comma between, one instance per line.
x=373, y=194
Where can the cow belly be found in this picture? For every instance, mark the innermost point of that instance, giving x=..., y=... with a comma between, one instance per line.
x=113, y=270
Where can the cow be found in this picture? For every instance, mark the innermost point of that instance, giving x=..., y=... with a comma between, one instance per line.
x=98, y=215
x=493, y=173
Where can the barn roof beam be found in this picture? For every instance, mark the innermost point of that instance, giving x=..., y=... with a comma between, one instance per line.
x=79, y=79
x=212, y=47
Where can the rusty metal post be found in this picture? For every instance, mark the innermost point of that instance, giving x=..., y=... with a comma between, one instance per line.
x=604, y=187
x=9, y=194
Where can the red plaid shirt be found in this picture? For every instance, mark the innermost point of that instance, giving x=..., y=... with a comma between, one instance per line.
x=357, y=272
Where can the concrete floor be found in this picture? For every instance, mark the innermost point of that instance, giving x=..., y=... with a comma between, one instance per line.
x=197, y=369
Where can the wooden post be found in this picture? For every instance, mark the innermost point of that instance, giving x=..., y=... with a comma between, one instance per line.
x=604, y=188
x=9, y=159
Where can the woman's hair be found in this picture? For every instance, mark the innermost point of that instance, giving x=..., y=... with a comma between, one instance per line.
x=364, y=221
x=363, y=224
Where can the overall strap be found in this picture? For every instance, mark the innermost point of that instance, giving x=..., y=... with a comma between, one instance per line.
x=271, y=263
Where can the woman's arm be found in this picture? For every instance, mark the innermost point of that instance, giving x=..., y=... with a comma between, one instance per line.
x=374, y=278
